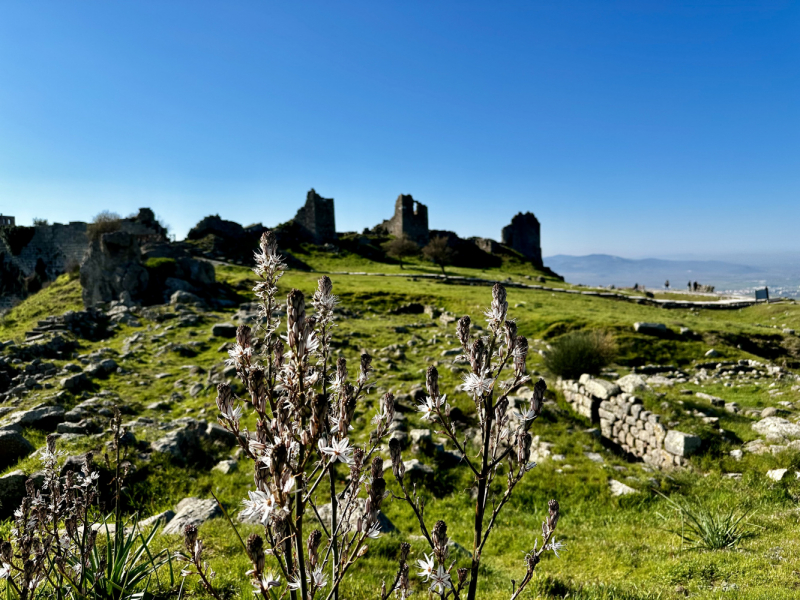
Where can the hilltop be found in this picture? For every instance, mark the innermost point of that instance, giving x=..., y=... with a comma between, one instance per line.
x=709, y=374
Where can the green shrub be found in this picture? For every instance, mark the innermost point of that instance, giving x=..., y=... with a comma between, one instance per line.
x=580, y=352
x=104, y=222
x=711, y=528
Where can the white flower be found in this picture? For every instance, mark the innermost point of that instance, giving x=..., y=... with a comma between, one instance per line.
x=318, y=578
x=260, y=506
x=374, y=531
x=477, y=385
x=294, y=582
x=440, y=580
x=268, y=580
x=338, y=450
x=528, y=415
x=238, y=353
x=428, y=409
x=379, y=416
x=426, y=566
x=556, y=546
x=5, y=570
x=234, y=414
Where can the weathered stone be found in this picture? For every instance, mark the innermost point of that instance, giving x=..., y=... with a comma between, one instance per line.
x=602, y=389
x=620, y=489
x=711, y=353
x=317, y=218
x=632, y=383
x=113, y=265
x=75, y=383
x=681, y=444
x=225, y=330
x=777, y=474
x=45, y=418
x=410, y=220
x=184, y=297
x=357, y=512
x=192, y=511
x=13, y=446
x=12, y=490
x=226, y=466
x=777, y=427
x=650, y=328
x=769, y=411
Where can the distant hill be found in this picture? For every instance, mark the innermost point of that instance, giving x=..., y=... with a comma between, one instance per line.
x=604, y=270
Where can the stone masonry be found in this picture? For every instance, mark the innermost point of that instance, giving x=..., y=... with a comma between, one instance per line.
x=316, y=218
x=6, y=220
x=523, y=235
x=410, y=219
x=624, y=422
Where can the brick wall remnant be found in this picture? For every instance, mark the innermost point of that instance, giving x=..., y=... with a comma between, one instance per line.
x=317, y=219
x=523, y=235
x=624, y=421
x=5, y=220
x=410, y=219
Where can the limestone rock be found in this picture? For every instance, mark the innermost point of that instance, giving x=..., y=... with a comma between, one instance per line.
x=13, y=446
x=192, y=511
x=12, y=490
x=620, y=489
x=650, y=328
x=769, y=411
x=184, y=297
x=113, y=265
x=777, y=427
x=226, y=330
x=777, y=474
x=681, y=444
x=75, y=383
x=711, y=354
x=45, y=418
x=226, y=467
x=632, y=383
x=600, y=388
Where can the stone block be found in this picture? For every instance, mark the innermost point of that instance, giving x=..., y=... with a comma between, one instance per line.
x=681, y=444
x=602, y=389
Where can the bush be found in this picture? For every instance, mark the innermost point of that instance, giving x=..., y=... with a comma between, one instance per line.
x=104, y=222
x=580, y=352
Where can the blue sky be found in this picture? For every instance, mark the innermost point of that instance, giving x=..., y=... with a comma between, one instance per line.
x=629, y=128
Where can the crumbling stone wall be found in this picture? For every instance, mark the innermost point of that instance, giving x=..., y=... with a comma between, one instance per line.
x=58, y=246
x=410, y=219
x=6, y=220
x=624, y=422
x=317, y=219
x=523, y=235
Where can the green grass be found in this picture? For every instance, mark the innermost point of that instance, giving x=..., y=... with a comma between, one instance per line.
x=618, y=548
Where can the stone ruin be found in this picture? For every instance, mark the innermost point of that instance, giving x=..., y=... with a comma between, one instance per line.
x=626, y=424
x=5, y=220
x=523, y=235
x=316, y=218
x=410, y=219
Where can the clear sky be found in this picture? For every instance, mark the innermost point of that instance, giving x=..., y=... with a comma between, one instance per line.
x=638, y=128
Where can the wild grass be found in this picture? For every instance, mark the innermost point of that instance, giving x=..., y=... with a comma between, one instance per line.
x=580, y=352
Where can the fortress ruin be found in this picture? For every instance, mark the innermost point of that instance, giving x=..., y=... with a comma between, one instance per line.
x=316, y=218
x=523, y=235
x=410, y=219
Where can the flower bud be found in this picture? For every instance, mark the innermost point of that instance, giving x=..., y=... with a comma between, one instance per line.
x=244, y=336
x=520, y=354
x=314, y=539
x=462, y=331
x=398, y=468
x=255, y=549
x=432, y=382
x=190, y=537
x=511, y=334
x=439, y=539
x=296, y=321
x=477, y=356
x=537, y=400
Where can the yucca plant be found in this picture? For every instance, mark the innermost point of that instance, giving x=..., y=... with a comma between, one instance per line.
x=704, y=528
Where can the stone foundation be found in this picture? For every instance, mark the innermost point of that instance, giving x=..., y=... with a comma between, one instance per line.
x=624, y=421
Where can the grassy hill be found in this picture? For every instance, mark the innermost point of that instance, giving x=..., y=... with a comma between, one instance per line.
x=617, y=547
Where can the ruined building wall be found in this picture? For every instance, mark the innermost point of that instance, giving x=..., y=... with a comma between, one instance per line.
x=625, y=422
x=59, y=246
x=317, y=219
x=410, y=219
x=523, y=235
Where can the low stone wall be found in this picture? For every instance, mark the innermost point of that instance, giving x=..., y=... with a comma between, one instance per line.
x=624, y=421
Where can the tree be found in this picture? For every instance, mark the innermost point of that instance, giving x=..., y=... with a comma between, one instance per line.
x=400, y=247
x=438, y=252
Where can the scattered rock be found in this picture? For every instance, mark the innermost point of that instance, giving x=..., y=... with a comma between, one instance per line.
x=12, y=490
x=184, y=297
x=711, y=354
x=777, y=427
x=602, y=389
x=594, y=457
x=650, y=328
x=13, y=446
x=620, y=489
x=777, y=474
x=76, y=383
x=769, y=411
x=224, y=330
x=226, y=466
x=45, y=418
x=192, y=511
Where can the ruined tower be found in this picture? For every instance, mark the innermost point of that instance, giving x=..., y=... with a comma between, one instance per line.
x=523, y=235
x=316, y=218
x=410, y=219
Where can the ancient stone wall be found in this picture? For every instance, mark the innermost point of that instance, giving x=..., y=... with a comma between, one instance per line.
x=6, y=220
x=317, y=218
x=410, y=219
x=58, y=246
x=624, y=422
x=523, y=235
